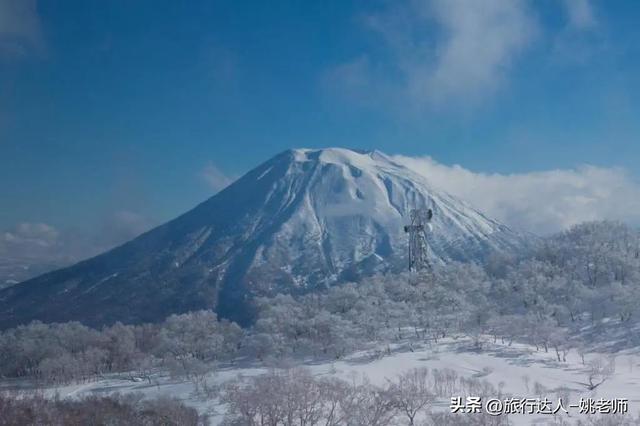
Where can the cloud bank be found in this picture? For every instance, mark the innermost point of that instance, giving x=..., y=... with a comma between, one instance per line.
x=30, y=238
x=30, y=249
x=539, y=202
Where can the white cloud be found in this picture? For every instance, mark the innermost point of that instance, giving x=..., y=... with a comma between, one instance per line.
x=459, y=53
x=215, y=178
x=539, y=202
x=20, y=28
x=29, y=236
x=580, y=14
x=44, y=242
x=29, y=249
x=582, y=39
x=476, y=47
x=443, y=51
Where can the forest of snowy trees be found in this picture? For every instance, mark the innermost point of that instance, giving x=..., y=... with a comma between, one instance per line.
x=295, y=397
x=581, y=278
x=576, y=279
x=130, y=410
x=63, y=353
x=561, y=297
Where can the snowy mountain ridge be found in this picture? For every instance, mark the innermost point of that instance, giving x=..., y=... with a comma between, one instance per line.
x=305, y=219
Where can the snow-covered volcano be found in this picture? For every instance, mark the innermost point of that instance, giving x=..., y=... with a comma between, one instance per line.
x=302, y=220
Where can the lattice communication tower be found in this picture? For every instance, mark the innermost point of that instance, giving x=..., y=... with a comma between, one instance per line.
x=418, y=232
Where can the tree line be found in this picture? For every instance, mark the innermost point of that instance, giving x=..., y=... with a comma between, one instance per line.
x=130, y=410
x=62, y=353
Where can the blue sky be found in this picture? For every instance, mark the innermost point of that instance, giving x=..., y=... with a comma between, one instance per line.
x=118, y=115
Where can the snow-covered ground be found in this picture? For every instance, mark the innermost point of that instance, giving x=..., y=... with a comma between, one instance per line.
x=517, y=371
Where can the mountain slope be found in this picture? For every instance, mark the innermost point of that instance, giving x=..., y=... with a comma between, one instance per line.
x=304, y=219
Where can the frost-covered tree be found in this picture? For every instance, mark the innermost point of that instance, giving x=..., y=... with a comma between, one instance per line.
x=412, y=393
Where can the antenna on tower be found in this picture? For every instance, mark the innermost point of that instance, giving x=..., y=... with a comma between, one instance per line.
x=417, y=230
